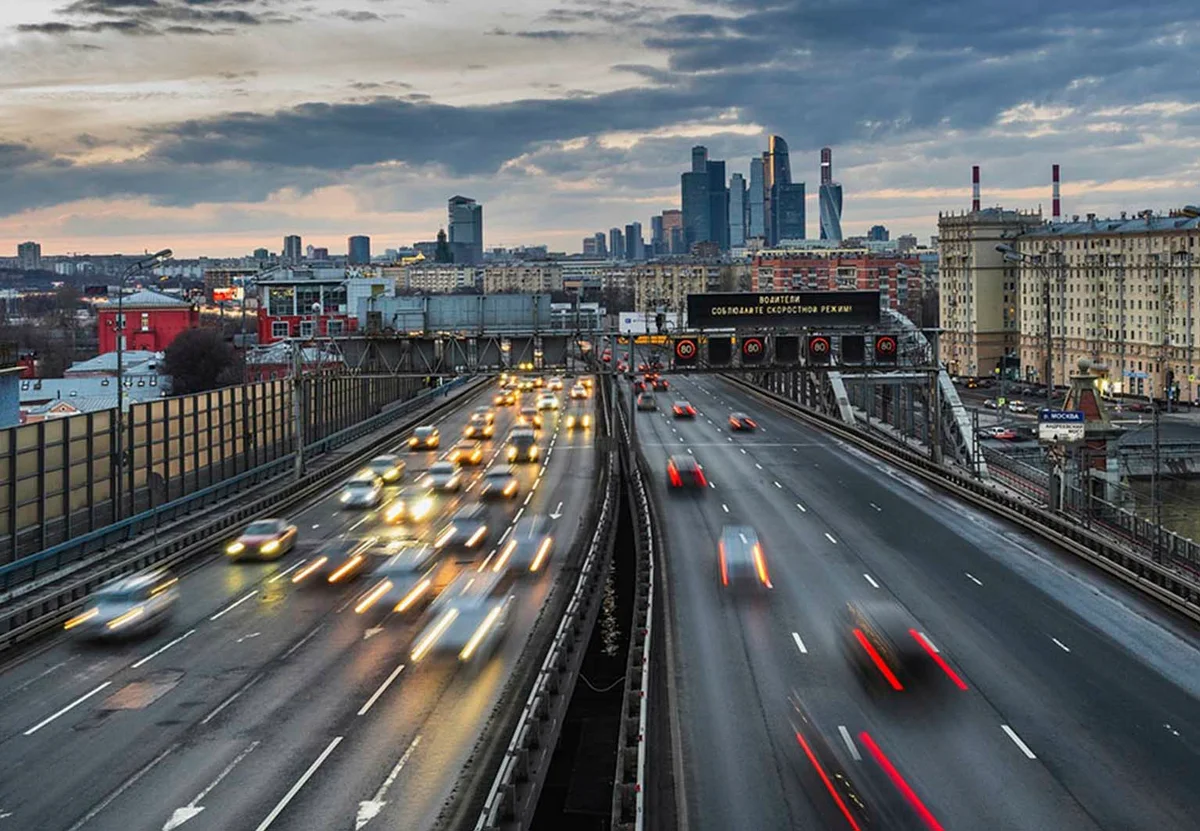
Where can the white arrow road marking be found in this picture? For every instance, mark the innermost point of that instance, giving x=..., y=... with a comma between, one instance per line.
x=372, y=632
x=557, y=512
x=193, y=808
x=370, y=809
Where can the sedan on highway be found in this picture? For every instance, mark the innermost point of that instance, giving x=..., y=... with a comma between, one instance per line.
x=363, y=491
x=128, y=607
x=405, y=578
x=683, y=409
x=468, y=619
x=579, y=421
x=646, y=402
x=337, y=561
x=741, y=421
x=479, y=427
x=443, y=477
x=411, y=506
x=499, y=483
x=530, y=417
x=741, y=559
x=466, y=453
x=1000, y=433
x=555, y=384
x=265, y=539
x=522, y=445
x=468, y=528
x=579, y=391
x=888, y=650
x=547, y=401
x=425, y=437
x=661, y=384
x=505, y=399
x=389, y=467
x=528, y=548
x=685, y=472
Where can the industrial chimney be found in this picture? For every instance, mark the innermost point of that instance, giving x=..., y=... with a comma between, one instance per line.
x=975, y=188
x=1056, y=213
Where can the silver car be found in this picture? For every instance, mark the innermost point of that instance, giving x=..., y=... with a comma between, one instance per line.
x=389, y=468
x=528, y=548
x=405, y=579
x=362, y=492
x=128, y=607
x=444, y=476
x=468, y=619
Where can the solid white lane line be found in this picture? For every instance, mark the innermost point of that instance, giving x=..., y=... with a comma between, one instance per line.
x=162, y=649
x=287, y=571
x=233, y=605
x=126, y=785
x=1017, y=741
x=801, y=507
x=973, y=578
x=829, y=537
x=305, y=639
x=871, y=580
x=799, y=643
x=382, y=689
x=66, y=709
x=726, y=507
x=1061, y=645
x=778, y=485
x=850, y=745
x=291, y=794
x=229, y=701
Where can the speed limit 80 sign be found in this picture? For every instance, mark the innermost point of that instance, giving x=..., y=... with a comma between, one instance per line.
x=686, y=350
x=753, y=349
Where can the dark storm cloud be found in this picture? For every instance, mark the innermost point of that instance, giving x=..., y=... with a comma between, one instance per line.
x=358, y=16
x=544, y=34
x=612, y=12
x=157, y=17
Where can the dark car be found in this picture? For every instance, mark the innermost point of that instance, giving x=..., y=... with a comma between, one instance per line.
x=479, y=427
x=410, y=506
x=646, y=401
x=522, y=445
x=741, y=421
x=888, y=650
x=528, y=547
x=426, y=437
x=337, y=561
x=500, y=482
x=405, y=577
x=683, y=409
x=661, y=385
x=467, y=528
x=685, y=472
x=741, y=560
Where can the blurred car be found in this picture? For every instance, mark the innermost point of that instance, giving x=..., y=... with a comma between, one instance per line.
x=522, y=445
x=588, y=383
x=685, y=472
x=484, y=412
x=1000, y=433
x=528, y=547
x=554, y=384
x=468, y=619
x=499, y=483
x=404, y=578
x=389, y=468
x=467, y=528
x=886, y=648
x=539, y=382
x=741, y=558
x=364, y=491
x=466, y=453
x=741, y=421
x=990, y=403
x=1018, y=407
x=265, y=539
x=579, y=391
x=410, y=506
x=531, y=417
x=426, y=437
x=443, y=476
x=337, y=561
x=661, y=385
x=547, y=401
x=639, y=386
x=479, y=427
x=505, y=399
x=683, y=409
x=646, y=401
x=579, y=421
x=128, y=607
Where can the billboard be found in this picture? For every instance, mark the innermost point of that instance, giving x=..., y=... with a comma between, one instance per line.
x=225, y=294
x=718, y=310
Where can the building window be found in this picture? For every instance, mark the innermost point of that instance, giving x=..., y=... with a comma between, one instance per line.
x=280, y=329
x=306, y=328
x=145, y=321
x=281, y=302
x=335, y=328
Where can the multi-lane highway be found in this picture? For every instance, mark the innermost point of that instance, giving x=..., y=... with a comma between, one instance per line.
x=1059, y=701
x=267, y=704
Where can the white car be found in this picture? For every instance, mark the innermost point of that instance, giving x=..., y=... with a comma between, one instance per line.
x=547, y=401
x=362, y=492
x=579, y=391
x=443, y=476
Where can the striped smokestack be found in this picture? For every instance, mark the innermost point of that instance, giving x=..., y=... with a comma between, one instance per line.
x=1057, y=204
x=975, y=188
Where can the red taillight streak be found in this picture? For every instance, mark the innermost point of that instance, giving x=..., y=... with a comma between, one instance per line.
x=878, y=659
x=700, y=480
x=751, y=423
x=898, y=781
x=828, y=785
x=724, y=568
x=938, y=659
x=674, y=474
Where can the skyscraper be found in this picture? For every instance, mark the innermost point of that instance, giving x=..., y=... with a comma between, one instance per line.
x=673, y=232
x=29, y=256
x=291, y=249
x=616, y=243
x=830, y=199
x=878, y=233
x=601, y=244
x=658, y=241
x=358, y=249
x=737, y=211
x=635, y=246
x=756, y=221
x=777, y=171
x=589, y=247
x=466, y=230
x=718, y=205
x=697, y=209
x=789, y=207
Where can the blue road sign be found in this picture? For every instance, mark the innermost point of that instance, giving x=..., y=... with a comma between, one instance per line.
x=1062, y=416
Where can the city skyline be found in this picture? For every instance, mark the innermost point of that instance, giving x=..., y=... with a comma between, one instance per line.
x=210, y=130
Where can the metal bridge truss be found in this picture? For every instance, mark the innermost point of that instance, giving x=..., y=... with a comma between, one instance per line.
x=453, y=354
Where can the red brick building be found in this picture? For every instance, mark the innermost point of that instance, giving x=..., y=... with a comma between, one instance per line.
x=152, y=321
x=303, y=303
x=838, y=269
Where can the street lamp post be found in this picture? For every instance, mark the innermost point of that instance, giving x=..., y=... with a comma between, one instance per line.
x=145, y=262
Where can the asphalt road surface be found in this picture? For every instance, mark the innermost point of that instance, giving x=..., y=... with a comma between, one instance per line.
x=265, y=704
x=1081, y=706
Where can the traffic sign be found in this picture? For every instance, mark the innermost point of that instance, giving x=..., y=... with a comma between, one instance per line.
x=886, y=349
x=685, y=351
x=1061, y=426
x=753, y=350
x=819, y=349
x=1062, y=416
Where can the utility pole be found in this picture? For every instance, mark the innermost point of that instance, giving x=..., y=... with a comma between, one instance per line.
x=298, y=406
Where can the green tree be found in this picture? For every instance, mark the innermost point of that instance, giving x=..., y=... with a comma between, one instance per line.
x=199, y=360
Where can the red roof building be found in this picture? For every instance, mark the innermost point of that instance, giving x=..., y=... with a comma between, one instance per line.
x=152, y=321
x=838, y=269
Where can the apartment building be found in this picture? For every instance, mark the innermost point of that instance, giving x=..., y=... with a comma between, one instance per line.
x=978, y=296
x=898, y=277
x=522, y=278
x=665, y=285
x=439, y=278
x=1121, y=292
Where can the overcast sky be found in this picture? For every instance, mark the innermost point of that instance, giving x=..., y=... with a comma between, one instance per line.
x=217, y=126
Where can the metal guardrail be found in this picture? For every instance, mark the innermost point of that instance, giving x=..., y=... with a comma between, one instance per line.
x=58, y=557
x=46, y=612
x=1163, y=584
x=512, y=798
x=629, y=785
